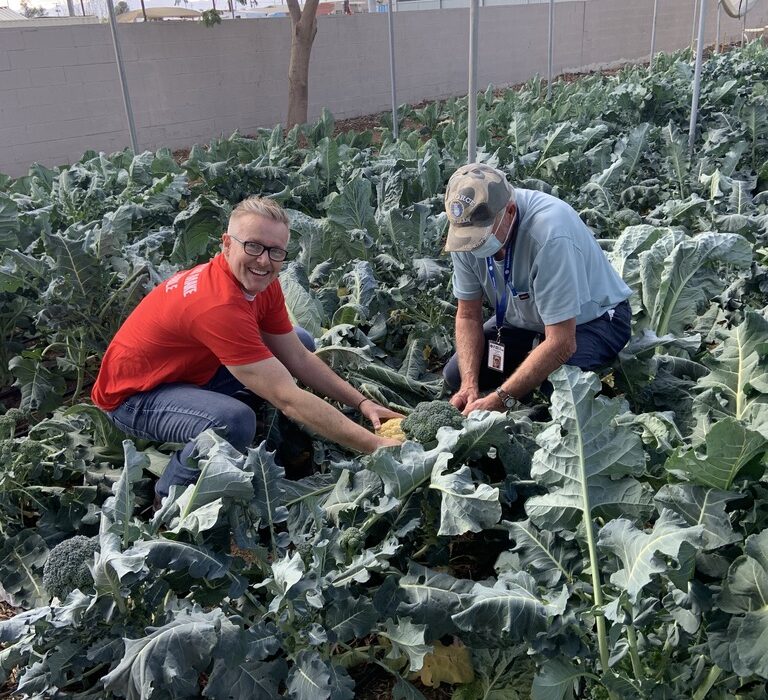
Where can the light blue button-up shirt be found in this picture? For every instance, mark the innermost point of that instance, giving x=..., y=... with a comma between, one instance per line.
x=558, y=271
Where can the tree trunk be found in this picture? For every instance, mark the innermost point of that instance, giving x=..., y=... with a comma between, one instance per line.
x=303, y=30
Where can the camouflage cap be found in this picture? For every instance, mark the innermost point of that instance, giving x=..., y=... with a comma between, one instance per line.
x=475, y=195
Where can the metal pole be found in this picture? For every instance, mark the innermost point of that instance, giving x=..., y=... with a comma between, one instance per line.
x=717, y=31
x=696, y=81
x=123, y=81
x=550, y=49
x=472, y=91
x=693, y=21
x=71, y=7
x=653, y=33
x=744, y=24
x=392, y=69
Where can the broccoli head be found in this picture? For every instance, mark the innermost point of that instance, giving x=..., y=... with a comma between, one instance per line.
x=67, y=566
x=352, y=541
x=306, y=551
x=8, y=422
x=428, y=417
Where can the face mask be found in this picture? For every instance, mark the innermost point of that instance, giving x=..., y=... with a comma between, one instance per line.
x=490, y=247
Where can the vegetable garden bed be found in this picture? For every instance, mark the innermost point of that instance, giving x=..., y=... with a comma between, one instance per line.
x=610, y=543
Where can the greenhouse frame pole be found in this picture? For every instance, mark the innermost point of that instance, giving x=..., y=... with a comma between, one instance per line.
x=653, y=33
x=696, y=82
x=744, y=24
x=693, y=22
x=472, y=90
x=390, y=21
x=550, y=50
x=717, y=30
x=123, y=80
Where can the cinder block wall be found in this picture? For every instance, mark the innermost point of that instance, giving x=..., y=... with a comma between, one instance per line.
x=59, y=90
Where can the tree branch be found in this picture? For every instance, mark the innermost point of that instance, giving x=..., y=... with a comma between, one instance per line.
x=310, y=8
x=295, y=10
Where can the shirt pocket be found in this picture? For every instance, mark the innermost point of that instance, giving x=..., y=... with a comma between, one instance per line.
x=522, y=312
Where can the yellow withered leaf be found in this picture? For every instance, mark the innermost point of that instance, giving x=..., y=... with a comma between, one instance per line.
x=447, y=664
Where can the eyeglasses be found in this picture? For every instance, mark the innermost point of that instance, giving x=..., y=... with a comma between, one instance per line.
x=256, y=249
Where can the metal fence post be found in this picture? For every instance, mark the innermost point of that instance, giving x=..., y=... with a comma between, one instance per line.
x=744, y=23
x=693, y=21
x=123, y=81
x=472, y=90
x=696, y=81
x=717, y=30
x=550, y=50
x=395, y=125
x=653, y=33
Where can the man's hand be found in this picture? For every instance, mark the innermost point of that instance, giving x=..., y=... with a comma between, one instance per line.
x=376, y=414
x=492, y=402
x=464, y=397
x=272, y=381
x=470, y=342
x=389, y=442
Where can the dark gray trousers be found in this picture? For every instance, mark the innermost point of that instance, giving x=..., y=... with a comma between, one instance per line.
x=597, y=345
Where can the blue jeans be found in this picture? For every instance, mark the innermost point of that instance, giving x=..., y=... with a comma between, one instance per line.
x=597, y=345
x=180, y=412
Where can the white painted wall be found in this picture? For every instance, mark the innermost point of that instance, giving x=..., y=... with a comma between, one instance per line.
x=59, y=92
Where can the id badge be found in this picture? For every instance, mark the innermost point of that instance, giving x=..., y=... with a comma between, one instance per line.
x=496, y=356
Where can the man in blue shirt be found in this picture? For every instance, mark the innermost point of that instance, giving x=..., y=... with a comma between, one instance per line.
x=556, y=298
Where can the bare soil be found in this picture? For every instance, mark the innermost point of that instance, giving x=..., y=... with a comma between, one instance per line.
x=373, y=683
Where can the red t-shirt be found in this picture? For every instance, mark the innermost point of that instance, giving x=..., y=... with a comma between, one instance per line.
x=185, y=329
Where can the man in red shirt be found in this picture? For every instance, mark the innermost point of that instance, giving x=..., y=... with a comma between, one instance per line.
x=171, y=370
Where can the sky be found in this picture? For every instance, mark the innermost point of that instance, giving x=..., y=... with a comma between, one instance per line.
x=59, y=7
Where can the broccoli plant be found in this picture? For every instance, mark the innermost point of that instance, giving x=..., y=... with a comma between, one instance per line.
x=428, y=417
x=67, y=566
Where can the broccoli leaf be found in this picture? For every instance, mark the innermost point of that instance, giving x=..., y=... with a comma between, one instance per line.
x=466, y=506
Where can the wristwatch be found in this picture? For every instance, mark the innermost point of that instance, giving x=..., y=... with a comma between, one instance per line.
x=509, y=401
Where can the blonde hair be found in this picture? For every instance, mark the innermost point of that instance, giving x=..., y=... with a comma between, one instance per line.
x=260, y=206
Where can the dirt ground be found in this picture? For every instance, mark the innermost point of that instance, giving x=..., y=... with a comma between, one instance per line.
x=373, y=683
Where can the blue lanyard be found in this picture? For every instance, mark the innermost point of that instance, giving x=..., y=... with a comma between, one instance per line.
x=501, y=304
